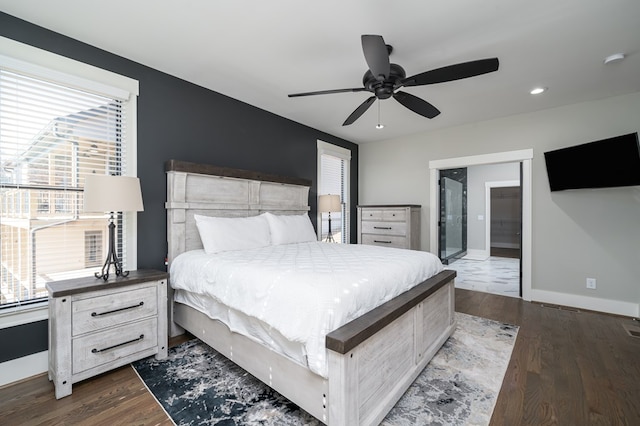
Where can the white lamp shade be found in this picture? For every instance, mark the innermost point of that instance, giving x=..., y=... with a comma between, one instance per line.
x=329, y=203
x=104, y=193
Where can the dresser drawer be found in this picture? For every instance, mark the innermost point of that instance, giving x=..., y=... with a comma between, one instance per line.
x=100, y=312
x=399, y=215
x=101, y=348
x=385, y=240
x=384, y=228
x=370, y=214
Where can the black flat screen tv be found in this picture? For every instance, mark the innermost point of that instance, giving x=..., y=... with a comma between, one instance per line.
x=606, y=163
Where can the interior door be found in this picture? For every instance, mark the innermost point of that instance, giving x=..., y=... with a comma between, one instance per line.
x=453, y=214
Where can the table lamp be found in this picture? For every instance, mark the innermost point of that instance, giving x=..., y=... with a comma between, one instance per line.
x=111, y=194
x=329, y=203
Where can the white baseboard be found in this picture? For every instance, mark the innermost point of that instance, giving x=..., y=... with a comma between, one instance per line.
x=505, y=245
x=24, y=367
x=476, y=254
x=616, y=307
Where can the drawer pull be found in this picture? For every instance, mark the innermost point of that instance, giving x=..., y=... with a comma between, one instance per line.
x=97, y=351
x=381, y=241
x=95, y=314
x=381, y=227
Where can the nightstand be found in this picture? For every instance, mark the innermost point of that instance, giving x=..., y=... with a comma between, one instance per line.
x=96, y=325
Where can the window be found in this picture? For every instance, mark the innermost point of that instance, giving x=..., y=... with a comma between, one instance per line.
x=333, y=178
x=93, y=249
x=59, y=121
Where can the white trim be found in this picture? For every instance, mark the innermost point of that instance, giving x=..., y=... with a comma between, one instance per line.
x=325, y=148
x=487, y=207
x=131, y=167
x=30, y=60
x=18, y=315
x=525, y=156
x=475, y=254
x=477, y=160
x=24, y=367
x=334, y=150
x=616, y=307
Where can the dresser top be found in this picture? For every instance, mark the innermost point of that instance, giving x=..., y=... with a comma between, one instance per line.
x=85, y=284
x=390, y=205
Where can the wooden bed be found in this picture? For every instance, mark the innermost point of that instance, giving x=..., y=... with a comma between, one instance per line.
x=372, y=360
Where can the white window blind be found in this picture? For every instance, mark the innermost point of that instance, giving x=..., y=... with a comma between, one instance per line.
x=51, y=136
x=333, y=178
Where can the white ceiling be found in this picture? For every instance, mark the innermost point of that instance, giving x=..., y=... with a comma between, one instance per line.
x=259, y=51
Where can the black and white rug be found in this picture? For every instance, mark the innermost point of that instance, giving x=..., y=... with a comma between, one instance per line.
x=198, y=386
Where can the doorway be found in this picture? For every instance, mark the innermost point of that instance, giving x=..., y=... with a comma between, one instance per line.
x=453, y=215
x=524, y=157
x=505, y=213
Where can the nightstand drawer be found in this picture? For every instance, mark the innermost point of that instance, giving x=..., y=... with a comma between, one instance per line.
x=101, y=348
x=384, y=228
x=97, y=313
x=384, y=240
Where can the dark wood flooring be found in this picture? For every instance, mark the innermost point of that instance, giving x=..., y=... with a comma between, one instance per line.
x=505, y=252
x=567, y=368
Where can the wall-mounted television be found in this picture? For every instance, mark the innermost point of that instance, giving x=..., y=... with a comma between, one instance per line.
x=606, y=163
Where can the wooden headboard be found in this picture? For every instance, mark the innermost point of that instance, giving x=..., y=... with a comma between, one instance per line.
x=207, y=190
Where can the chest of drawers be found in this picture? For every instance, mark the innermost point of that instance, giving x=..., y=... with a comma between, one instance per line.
x=95, y=326
x=395, y=226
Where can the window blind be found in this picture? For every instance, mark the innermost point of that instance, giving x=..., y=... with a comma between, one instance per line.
x=51, y=136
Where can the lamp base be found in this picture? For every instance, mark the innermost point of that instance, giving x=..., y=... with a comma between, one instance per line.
x=329, y=234
x=112, y=257
x=330, y=238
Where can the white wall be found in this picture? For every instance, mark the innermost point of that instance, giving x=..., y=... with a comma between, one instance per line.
x=576, y=234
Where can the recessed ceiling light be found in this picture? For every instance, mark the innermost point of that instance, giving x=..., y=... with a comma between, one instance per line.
x=379, y=126
x=614, y=58
x=538, y=90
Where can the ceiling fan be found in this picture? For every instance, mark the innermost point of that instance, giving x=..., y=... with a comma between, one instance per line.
x=383, y=79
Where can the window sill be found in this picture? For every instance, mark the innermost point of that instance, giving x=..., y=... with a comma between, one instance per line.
x=19, y=315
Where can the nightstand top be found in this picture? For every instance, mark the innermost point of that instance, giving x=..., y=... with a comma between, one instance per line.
x=85, y=284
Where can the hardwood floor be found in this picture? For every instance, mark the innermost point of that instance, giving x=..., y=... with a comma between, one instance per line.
x=567, y=368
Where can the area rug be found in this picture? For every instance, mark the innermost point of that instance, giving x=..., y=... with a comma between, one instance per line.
x=197, y=386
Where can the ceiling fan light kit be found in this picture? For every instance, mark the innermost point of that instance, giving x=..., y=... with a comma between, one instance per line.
x=616, y=57
x=384, y=79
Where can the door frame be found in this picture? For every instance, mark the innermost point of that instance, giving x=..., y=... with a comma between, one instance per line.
x=524, y=156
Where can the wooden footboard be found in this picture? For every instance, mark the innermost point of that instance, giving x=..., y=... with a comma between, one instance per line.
x=375, y=358
x=372, y=360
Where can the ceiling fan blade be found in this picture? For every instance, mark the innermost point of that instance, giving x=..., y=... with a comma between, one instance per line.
x=327, y=92
x=359, y=111
x=453, y=72
x=377, y=56
x=417, y=105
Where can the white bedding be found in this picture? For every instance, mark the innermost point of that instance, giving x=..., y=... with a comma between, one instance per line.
x=303, y=290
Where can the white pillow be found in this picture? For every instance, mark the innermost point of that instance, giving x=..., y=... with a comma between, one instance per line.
x=226, y=234
x=287, y=229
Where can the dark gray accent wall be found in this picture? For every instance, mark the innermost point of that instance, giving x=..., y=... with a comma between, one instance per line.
x=183, y=121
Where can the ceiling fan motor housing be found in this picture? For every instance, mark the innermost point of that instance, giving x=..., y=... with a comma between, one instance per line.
x=383, y=89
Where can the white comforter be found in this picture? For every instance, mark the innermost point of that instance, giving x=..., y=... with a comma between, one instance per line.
x=304, y=290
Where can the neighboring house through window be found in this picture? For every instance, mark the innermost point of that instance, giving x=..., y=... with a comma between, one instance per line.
x=59, y=121
x=334, y=178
